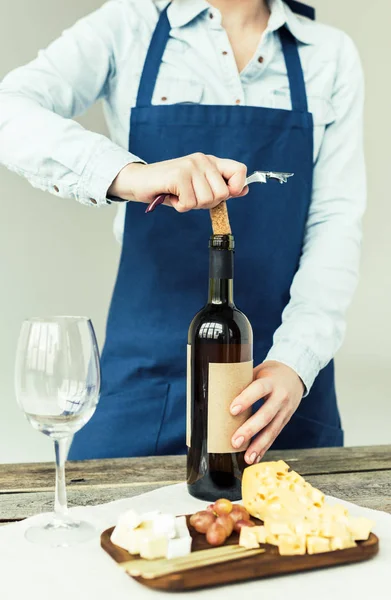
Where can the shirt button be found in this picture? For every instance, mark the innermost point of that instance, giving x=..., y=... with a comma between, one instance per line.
x=225, y=53
x=260, y=59
x=238, y=101
x=164, y=98
x=210, y=15
x=93, y=201
x=56, y=188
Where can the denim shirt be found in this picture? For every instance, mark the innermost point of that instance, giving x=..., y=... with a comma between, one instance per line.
x=102, y=56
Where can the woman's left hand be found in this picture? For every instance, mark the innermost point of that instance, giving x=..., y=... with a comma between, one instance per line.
x=282, y=390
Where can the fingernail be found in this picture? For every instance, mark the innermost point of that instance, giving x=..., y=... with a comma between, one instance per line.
x=235, y=410
x=258, y=460
x=159, y=200
x=238, y=442
x=252, y=457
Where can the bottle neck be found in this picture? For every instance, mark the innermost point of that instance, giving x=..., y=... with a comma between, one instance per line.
x=221, y=271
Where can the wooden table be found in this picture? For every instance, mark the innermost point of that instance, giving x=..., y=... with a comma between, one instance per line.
x=361, y=475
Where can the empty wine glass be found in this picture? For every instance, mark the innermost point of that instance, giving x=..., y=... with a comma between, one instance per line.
x=57, y=381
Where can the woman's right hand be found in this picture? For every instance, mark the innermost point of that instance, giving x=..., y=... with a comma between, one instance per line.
x=192, y=182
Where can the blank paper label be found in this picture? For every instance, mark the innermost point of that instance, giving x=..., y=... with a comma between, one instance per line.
x=226, y=381
x=188, y=398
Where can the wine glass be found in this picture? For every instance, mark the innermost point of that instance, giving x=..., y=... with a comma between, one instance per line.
x=57, y=382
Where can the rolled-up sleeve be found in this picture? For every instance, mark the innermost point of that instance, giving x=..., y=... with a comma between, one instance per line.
x=313, y=323
x=38, y=138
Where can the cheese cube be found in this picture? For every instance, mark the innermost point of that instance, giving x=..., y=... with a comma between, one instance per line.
x=179, y=547
x=360, y=528
x=248, y=538
x=260, y=532
x=316, y=545
x=333, y=529
x=164, y=524
x=338, y=543
x=136, y=536
x=153, y=546
x=337, y=510
x=128, y=538
x=289, y=545
x=316, y=496
x=278, y=527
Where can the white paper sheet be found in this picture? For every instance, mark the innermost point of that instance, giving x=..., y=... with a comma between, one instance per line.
x=30, y=572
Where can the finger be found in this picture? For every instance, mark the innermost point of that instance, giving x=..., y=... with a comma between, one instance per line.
x=257, y=422
x=262, y=442
x=234, y=173
x=203, y=191
x=218, y=185
x=255, y=391
x=186, y=197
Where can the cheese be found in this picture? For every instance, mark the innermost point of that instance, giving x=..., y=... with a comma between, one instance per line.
x=289, y=545
x=295, y=514
x=360, y=528
x=338, y=543
x=164, y=524
x=278, y=528
x=331, y=529
x=248, y=538
x=260, y=532
x=153, y=546
x=181, y=544
x=316, y=545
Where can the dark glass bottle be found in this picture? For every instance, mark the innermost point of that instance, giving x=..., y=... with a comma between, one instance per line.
x=220, y=366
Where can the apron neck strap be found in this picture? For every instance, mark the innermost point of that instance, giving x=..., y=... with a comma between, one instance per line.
x=301, y=9
x=295, y=71
x=158, y=45
x=153, y=60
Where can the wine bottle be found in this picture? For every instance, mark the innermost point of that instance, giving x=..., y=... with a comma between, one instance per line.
x=220, y=366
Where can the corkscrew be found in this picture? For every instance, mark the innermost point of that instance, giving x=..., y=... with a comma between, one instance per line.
x=256, y=177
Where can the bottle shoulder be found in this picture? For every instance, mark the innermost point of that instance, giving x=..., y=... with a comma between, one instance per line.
x=222, y=323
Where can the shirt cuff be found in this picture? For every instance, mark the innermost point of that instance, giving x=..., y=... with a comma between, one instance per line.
x=100, y=172
x=298, y=357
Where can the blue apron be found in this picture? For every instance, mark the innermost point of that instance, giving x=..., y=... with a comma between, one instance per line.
x=163, y=272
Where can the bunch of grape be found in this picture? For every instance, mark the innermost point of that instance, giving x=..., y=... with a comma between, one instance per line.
x=219, y=520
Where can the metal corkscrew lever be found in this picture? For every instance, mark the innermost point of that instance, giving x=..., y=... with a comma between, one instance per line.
x=256, y=177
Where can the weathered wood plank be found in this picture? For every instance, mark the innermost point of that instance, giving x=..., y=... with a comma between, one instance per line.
x=121, y=472
x=371, y=489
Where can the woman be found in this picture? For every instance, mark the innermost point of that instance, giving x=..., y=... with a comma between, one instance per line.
x=212, y=88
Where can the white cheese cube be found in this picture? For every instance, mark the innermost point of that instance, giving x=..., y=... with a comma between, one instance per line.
x=180, y=546
x=164, y=524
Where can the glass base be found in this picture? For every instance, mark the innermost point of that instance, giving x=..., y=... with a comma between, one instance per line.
x=57, y=534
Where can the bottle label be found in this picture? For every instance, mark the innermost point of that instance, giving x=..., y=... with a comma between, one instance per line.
x=226, y=381
x=188, y=398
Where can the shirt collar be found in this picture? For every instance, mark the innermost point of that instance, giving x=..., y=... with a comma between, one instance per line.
x=300, y=27
x=182, y=12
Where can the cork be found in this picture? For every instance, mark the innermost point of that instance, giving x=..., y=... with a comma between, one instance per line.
x=220, y=219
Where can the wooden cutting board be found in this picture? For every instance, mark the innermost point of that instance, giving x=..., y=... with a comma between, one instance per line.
x=254, y=567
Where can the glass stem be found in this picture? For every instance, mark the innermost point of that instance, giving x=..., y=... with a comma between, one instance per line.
x=60, y=502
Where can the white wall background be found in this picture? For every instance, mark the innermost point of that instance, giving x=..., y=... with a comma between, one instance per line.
x=57, y=257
